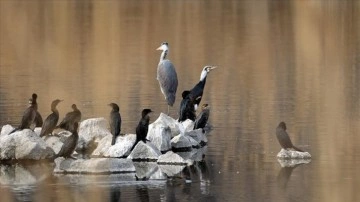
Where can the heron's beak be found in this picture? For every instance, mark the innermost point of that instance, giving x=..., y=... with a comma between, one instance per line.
x=160, y=48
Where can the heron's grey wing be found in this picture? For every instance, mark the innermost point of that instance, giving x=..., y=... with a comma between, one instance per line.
x=167, y=77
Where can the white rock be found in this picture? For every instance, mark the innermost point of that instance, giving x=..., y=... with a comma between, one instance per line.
x=166, y=120
x=291, y=154
x=37, y=130
x=92, y=131
x=94, y=165
x=171, y=170
x=160, y=136
x=24, y=144
x=171, y=158
x=6, y=129
x=121, y=147
x=182, y=142
x=144, y=170
x=198, y=136
x=188, y=125
x=292, y=162
x=144, y=151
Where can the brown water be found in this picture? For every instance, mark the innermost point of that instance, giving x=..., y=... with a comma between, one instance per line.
x=292, y=61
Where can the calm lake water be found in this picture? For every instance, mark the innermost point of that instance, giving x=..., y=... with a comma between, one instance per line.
x=292, y=61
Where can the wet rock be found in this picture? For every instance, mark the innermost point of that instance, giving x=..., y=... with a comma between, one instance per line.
x=171, y=158
x=23, y=144
x=292, y=162
x=121, y=147
x=160, y=136
x=90, y=133
x=144, y=170
x=94, y=165
x=145, y=152
x=291, y=154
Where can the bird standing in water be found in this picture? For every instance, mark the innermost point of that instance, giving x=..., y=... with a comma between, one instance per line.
x=51, y=121
x=198, y=89
x=27, y=119
x=70, y=118
x=115, y=122
x=143, y=127
x=38, y=118
x=166, y=75
x=203, y=117
x=70, y=143
x=284, y=138
x=187, y=107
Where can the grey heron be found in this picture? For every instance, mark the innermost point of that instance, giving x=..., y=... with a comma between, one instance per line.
x=284, y=138
x=166, y=75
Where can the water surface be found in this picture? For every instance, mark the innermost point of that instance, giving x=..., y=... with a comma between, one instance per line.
x=292, y=61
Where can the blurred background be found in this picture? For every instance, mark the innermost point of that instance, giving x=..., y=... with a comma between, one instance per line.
x=292, y=61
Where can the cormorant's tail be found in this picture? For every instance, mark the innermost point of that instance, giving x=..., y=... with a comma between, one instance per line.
x=132, y=148
x=113, y=140
x=15, y=129
x=297, y=149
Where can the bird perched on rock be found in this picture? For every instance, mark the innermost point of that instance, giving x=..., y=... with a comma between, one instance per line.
x=27, y=119
x=38, y=118
x=203, y=117
x=166, y=75
x=51, y=121
x=115, y=122
x=143, y=127
x=284, y=138
x=187, y=107
x=70, y=118
x=70, y=143
x=197, y=91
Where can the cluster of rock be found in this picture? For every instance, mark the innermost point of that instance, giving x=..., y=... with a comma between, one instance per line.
x=165, y=134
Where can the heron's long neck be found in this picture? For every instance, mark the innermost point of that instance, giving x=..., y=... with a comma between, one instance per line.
x=163, y=55
x=203, y=76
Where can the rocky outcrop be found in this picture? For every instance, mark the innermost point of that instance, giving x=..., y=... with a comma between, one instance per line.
x=292, y=154
x=144, y=152
x=94, y=165
x=23, y=144
x=120, y=149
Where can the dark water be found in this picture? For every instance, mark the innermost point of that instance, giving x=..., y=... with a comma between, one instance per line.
x=292, y=61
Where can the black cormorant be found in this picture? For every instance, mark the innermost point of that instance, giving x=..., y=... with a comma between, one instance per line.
x=284, y=138
x=115, y=122
x=70, y=143
x=166, y=75
x=70, y=118
x=27, y=119
x=198, y=89
x=143, y=127
x=38, y=118
x=187, y=107
x=51, y=121
x=203, y=117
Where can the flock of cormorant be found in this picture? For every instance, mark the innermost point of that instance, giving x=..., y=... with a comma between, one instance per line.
x=167, y=78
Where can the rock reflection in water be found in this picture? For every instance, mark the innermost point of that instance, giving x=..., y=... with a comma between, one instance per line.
x=287, y=167
x=115, y=194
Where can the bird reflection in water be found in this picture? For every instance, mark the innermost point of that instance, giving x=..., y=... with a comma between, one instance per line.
x=115, y=194
x=143, y=193
x=287, y=167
